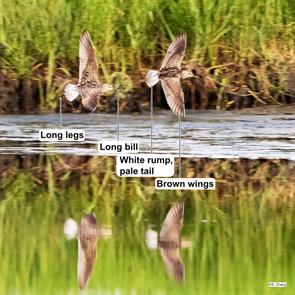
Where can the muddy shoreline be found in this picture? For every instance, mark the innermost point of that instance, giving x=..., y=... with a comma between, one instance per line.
x=29, y=95
x=229, y=173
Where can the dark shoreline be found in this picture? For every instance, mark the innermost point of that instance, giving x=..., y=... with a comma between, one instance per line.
x=22, y=96
x=232, y=175
x=229, y=170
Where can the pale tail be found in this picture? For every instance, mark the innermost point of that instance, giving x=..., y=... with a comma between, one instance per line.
x=70, y=228
x=151, y=238
x=152, y=78
x=71, y=92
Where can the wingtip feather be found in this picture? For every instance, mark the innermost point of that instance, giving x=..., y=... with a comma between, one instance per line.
x=178, y=210
x=180, y=41
x=86, y=39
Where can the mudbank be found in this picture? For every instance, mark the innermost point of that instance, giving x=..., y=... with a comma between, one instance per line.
x=230, y=174
x=41, y=94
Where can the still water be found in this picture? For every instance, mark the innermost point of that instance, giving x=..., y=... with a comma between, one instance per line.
x=234, y=240
x=205, y=134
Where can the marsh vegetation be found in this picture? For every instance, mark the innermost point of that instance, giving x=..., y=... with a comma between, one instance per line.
x=243, y=51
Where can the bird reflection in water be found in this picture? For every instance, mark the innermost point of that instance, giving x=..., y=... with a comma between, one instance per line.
x=169, y=242
x=87, y=233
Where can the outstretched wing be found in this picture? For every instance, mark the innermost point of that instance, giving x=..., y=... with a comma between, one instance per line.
x=86, y=259
x=175, y=52
x=174, y=95
x=88, y=234
x=90, y=97
x=173, y=263
x=88, y=67
x=170, y=231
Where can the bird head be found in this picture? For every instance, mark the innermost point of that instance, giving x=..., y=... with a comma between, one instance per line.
x=107, y=90
x=89, y=219
x=88, y=227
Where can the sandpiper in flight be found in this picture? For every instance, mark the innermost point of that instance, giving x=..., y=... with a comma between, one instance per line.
x=89, y=87
x=170, y=75
x=87, y=233
x=169, y=242
x=87, y=238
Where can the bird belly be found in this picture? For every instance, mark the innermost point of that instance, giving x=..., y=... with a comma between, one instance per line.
x=169, y=244
x=90, y=89
x=90, y=97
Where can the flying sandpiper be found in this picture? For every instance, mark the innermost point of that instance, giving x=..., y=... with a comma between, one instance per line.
x=169, y=242
x=171, y=74
x=87, y=233
x=89, y=87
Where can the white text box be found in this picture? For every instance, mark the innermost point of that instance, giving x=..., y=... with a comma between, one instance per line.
x=54, y=135
x=117, y=147
x=145, y=165
x=277, y=284
x=185, y=183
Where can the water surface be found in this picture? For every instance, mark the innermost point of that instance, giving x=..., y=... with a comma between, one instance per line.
x=239, y=241
x=237, y=244
x=209, y=134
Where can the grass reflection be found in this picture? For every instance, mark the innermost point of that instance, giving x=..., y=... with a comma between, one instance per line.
x=242, y=238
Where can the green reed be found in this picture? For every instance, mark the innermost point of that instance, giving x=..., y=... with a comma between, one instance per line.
x=241, y=238
x=39, y=39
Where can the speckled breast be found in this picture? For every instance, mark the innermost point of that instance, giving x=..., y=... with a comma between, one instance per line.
x=88, y=84
x=169, y=72
x=88, y=232
x=169, y=244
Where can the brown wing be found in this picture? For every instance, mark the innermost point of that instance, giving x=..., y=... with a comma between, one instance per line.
x=90, y=97
x=170, y=231
x=173, y=263
x=86, y=259
x=88, y=234
x=88, y=67
x=174, y=95
x=175, y=52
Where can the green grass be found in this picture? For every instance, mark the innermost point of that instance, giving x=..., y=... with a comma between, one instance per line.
x=39, y=39
x=246, y=241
